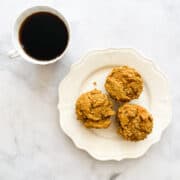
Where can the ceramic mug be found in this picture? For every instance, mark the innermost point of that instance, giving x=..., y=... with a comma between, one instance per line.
x=19, y=51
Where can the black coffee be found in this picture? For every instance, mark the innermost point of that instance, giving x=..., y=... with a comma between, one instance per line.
x=43, y=36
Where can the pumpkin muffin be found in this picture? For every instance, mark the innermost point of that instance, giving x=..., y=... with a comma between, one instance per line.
x=124, y=84
x=94, y=109
x=135, y=122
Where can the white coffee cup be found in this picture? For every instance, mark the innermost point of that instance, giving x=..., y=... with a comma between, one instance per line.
x=19, y=51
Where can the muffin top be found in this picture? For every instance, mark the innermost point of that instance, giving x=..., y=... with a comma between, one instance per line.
x=135, y=122
x=94, y=109
x=124, y=84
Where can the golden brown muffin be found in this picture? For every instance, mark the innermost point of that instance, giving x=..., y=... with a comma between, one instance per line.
x=124, y=84
x=94, y=109
x=135, y=122
x=97, y=124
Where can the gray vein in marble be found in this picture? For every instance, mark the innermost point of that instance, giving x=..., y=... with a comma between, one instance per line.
x=114, y=176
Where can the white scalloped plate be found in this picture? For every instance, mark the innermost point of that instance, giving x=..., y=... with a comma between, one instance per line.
x=105, y=144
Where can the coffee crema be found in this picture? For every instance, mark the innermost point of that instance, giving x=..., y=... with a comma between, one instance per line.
x=43, y=36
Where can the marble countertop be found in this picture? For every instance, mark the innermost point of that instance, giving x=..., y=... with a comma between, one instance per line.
x=32, y=145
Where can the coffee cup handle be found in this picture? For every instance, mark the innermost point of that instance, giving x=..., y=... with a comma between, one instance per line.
x=13, y=54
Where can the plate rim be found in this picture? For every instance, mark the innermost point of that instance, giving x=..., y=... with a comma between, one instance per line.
x=135, y=154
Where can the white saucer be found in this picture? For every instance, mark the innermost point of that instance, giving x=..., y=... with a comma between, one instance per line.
x=105, y=144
